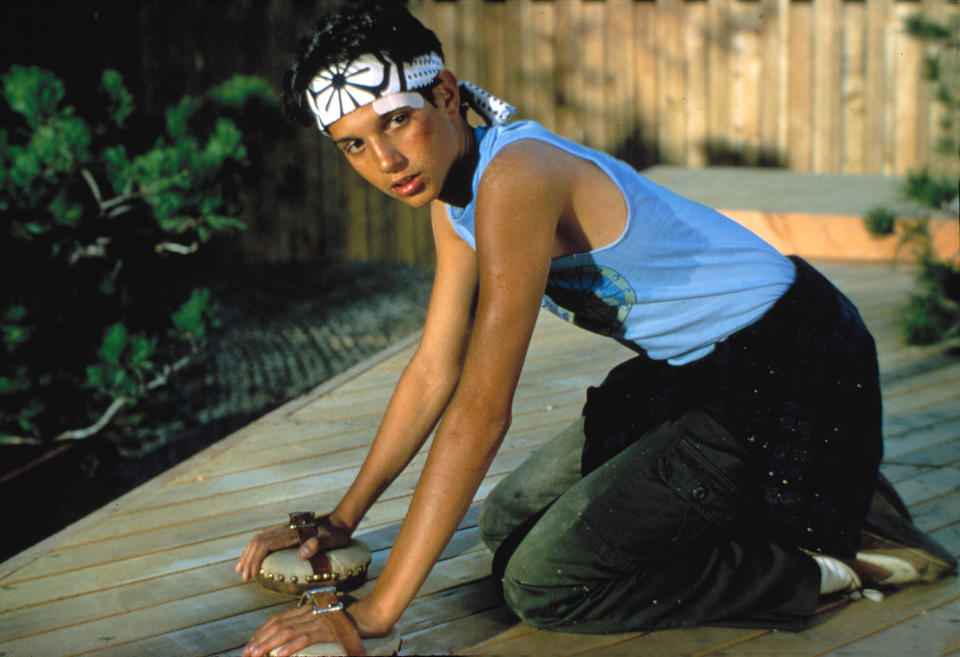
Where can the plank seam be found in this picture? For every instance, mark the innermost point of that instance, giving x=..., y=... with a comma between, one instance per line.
x=733, y=644
x=887, y=626
x=609, y=644
x=152, y=636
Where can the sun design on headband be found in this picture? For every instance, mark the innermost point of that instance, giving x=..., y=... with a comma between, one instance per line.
x=350, y=85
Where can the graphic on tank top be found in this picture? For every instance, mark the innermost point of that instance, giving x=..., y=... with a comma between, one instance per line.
x=593, y=297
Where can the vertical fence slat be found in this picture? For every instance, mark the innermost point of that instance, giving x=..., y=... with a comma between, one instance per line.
x=891, y=87
x=492, y=24
x=594, y=96
x=646, y=81
x=543, y=103
x=515, y=34
x=719, y=24
x=784, y=27
x=800, y=92
x=356, y=219
x=908, y=97
x=671, y=79
x=745, y=88
x=827, y=56
x=695, y=96
x=772, y=77
x=568, y=49
x=854, y=115
x=619, y=71
x=875, y=84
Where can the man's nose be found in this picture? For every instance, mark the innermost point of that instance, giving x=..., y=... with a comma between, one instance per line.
x=389, y=159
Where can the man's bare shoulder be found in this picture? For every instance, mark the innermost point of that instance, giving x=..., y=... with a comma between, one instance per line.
x=528, y=164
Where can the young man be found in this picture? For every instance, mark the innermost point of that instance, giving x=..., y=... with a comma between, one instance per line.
x=708, y=478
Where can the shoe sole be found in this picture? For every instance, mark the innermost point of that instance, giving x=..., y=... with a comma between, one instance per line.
x=892, y=544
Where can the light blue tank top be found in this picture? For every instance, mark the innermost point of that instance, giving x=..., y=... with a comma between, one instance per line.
x=680, y=278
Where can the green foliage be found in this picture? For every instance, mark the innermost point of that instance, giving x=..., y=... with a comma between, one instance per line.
x=921, y=27
x=241, y=89
x=119, y=101
x=941, y=67
x=195, y=316
x=933, y=313
x=880, y=221
x=34, y=93
x=97, y=210
x=932, y=191
x=124, y=363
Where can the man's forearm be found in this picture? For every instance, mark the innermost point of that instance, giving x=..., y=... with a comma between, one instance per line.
x=460, y=456
x=414, y=409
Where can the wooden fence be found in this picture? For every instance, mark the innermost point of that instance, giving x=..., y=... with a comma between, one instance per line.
x=826, y=85
x=829, y=86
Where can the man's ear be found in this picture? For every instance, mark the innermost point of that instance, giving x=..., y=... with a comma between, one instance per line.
x=447, y=92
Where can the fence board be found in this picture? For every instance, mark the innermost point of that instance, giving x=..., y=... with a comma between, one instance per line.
x=620, y=71
x=800, y=94
x=595, y=91
x=645, y=89
x=695, y=96
x=910, y=94
x=854, y=83
x=671, y=79
x=827, y=50
x=773, y=76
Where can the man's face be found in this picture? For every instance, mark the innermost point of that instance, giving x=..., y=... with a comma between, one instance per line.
x=406, y=153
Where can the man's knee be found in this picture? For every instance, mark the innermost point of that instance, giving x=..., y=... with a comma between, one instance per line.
x=489, y=524
x=500, y=514
x=541, y=600
x=508, y=506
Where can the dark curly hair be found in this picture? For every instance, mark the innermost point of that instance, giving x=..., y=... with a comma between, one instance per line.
x=379, y=26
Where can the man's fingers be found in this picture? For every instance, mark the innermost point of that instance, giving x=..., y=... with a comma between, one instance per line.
x=292, y=630
x=299, y=643
x=243, y=563
x=263, y=544
x=309, y=548
x=249, y=560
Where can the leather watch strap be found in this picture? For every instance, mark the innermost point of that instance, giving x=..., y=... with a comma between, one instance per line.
x=305, y=523
x=327, y=606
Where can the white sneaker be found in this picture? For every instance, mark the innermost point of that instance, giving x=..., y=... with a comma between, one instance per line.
x=836, y=576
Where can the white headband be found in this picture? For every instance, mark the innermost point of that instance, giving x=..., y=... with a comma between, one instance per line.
x=375, y=78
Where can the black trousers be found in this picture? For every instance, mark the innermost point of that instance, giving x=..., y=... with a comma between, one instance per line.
x=666, y=533
x=800, y=392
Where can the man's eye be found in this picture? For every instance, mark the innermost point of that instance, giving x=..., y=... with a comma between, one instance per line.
x=353, y=147
x=399, y=118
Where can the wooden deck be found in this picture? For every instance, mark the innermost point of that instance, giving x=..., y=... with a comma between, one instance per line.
x=152, y=573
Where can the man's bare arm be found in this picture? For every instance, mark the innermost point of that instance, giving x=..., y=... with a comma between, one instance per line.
x=516, y=215
x=429, y=379
x=420, y=396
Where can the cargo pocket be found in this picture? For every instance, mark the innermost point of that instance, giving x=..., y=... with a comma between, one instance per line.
x=709, y=482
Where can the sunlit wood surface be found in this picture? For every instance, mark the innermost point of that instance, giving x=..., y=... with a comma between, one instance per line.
x=152, y=573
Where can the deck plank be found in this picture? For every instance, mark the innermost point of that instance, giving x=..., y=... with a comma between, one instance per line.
x=854, y=622
x=154, y=574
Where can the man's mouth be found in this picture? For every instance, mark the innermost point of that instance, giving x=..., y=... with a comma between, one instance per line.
x=408, y=186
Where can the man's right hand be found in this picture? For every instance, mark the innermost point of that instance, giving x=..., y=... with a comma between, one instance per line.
x=329, y=536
